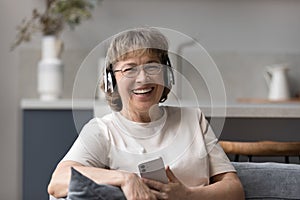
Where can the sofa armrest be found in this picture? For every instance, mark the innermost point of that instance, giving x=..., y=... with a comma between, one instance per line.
x=269, y=180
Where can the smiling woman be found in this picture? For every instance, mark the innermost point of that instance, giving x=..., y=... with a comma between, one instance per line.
x=138, y=77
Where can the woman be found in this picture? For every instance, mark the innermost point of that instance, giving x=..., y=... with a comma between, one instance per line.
x=138, y=77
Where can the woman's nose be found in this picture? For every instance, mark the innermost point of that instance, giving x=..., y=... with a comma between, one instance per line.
x=141, y=76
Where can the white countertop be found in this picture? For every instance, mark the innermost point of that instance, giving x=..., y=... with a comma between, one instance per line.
x=277, y=110
x=36, y=104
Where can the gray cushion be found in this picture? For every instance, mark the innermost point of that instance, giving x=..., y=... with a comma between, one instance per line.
x=269, y=180
x=83, y=188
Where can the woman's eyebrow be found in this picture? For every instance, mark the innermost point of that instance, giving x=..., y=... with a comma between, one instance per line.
x=133, y=64
x=152, y=61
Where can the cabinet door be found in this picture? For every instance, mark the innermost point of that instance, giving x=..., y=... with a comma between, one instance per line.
x=47, y=136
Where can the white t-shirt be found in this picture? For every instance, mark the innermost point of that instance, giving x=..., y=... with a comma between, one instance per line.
x=182, y=137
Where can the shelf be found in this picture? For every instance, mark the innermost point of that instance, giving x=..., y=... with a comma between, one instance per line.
x=267, y=101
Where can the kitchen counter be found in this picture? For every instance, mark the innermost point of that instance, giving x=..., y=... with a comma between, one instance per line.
x=264, y=110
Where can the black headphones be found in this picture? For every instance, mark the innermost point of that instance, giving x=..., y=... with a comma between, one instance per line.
x=110, y=79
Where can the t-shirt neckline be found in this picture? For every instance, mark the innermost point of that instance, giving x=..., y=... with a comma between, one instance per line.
x=138, y=129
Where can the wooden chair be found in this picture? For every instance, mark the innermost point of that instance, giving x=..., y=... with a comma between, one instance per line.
x=261, y=148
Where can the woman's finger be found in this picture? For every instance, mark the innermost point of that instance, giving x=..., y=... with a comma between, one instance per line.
x=171, y=175
x=160, y=195
x=153, y=184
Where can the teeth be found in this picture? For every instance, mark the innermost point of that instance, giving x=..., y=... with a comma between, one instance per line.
x=142, y=91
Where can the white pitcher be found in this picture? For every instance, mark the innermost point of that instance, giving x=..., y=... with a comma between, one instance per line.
x=276, y=77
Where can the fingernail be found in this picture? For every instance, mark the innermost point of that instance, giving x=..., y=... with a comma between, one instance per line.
x=164, y=195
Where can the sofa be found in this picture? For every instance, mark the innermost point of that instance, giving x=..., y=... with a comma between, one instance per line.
x=268, y=180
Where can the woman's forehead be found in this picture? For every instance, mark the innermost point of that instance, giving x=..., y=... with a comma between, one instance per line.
x=138, y=60
x=140, y=53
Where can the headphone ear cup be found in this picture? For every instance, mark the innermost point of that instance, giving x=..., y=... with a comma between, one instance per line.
x=169, y=77
x=108, y=81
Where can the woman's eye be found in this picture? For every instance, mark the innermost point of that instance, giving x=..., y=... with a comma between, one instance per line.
x=152, y=67
x=129, y=69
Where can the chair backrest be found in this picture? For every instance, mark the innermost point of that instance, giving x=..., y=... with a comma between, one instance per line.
x=261, y=148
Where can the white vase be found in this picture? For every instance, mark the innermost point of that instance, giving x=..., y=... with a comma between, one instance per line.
x=50, y=70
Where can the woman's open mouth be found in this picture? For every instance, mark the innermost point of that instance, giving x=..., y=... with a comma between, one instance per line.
x=143, y=91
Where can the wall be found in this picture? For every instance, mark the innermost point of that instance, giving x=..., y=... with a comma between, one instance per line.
x=9, y=101
x=241, y=36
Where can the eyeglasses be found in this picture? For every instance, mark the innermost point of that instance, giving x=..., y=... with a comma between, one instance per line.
x=131, y=72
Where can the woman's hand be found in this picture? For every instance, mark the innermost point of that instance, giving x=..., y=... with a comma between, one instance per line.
x=173, y=190
x=134, y=188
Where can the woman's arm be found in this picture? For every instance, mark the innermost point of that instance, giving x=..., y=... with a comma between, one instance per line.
x=130, y=183
x=58, y=186
x=224, y=186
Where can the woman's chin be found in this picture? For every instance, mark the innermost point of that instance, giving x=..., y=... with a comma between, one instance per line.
x=143, y=107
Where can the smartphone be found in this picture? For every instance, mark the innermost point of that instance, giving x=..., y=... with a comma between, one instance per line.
x=153, y=169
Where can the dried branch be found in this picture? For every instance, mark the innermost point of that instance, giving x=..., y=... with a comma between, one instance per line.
x=52, y=21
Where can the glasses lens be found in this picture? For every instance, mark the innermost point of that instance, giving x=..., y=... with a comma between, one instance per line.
x=153, y=68
x=130, y=72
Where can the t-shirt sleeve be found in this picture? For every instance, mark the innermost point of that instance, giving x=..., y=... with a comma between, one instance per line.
x=218, y=160
x=91, y=146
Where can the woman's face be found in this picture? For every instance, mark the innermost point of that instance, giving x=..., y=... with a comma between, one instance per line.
x=141, y=92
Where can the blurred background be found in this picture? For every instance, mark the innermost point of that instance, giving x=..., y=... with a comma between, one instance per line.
x=242, y=37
